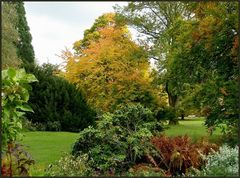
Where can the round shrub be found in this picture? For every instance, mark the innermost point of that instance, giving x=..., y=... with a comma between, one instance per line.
x=57, y=104
x=119, y=139
x=167, y=113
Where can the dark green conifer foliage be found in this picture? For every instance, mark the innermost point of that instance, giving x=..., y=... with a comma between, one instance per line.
x=24, y=47
x=57, y=104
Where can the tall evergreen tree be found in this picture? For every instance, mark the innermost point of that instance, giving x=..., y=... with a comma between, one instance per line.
x=24, y=47
x=9, y=35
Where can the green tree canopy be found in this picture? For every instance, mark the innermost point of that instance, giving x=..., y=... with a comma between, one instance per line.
x=197, y=53
x=207, y=61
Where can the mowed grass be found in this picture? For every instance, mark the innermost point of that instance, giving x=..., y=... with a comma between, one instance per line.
x=47, y=147
x=194, y=128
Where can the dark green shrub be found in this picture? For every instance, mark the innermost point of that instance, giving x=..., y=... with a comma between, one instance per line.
x=57, y=104
x=53, y=126
x=120, y=139
x=167, y=113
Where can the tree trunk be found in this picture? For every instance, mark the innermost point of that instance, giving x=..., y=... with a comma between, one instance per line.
x=172, y=101
x=182, y=116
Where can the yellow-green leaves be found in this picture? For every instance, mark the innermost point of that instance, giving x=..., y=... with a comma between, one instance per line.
x=15, y=86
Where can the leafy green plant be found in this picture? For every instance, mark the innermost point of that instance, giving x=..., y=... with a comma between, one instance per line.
x=69, y=165
x=15, y=87
x=119, y=140
x=28, y=125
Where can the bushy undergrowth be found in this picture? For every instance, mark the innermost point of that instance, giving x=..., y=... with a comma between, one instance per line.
x=16, y=161
x=222, y=163
x=176, y=155
x=119, y=139
x=69, y=165
x=144, y=170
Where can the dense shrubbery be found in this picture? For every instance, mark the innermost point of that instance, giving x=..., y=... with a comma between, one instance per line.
x=222, y=163
x=176, y=155
x=69, y=165
x=119, y=140
x=144, y=170
x=57, y=104
x=99, y=152
x=16, y=161
x=167, y=114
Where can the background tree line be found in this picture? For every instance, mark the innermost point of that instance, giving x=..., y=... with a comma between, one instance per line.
x=194, y=44
x=56, y=103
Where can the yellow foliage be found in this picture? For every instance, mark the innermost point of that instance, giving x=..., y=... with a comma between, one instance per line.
x=111, y=70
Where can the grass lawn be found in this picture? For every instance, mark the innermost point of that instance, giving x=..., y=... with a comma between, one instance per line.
x=194, y=128
x=47, y=147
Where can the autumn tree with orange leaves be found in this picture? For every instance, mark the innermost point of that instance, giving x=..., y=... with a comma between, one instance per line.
x=110, y=68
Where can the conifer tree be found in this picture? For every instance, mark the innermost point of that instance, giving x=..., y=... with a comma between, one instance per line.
x=24, y=47
x=9, y=35
x=56, y=103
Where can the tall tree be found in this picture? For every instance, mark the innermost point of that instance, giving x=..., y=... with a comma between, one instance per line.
x=155, y=20
x=199, y=55
x=208, y=52
x=24, y=47
x=9, y=35
x=109, y=67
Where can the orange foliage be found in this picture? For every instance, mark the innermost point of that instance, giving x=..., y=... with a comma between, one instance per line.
x=178, y=154
x=111, y=70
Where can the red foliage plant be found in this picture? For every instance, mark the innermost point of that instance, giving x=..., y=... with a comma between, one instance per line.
x=177, y=154
x=16, y=161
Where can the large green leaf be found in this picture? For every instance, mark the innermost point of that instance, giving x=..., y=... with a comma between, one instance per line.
x=25, y=108
x=31, y=78
x=11, y=72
